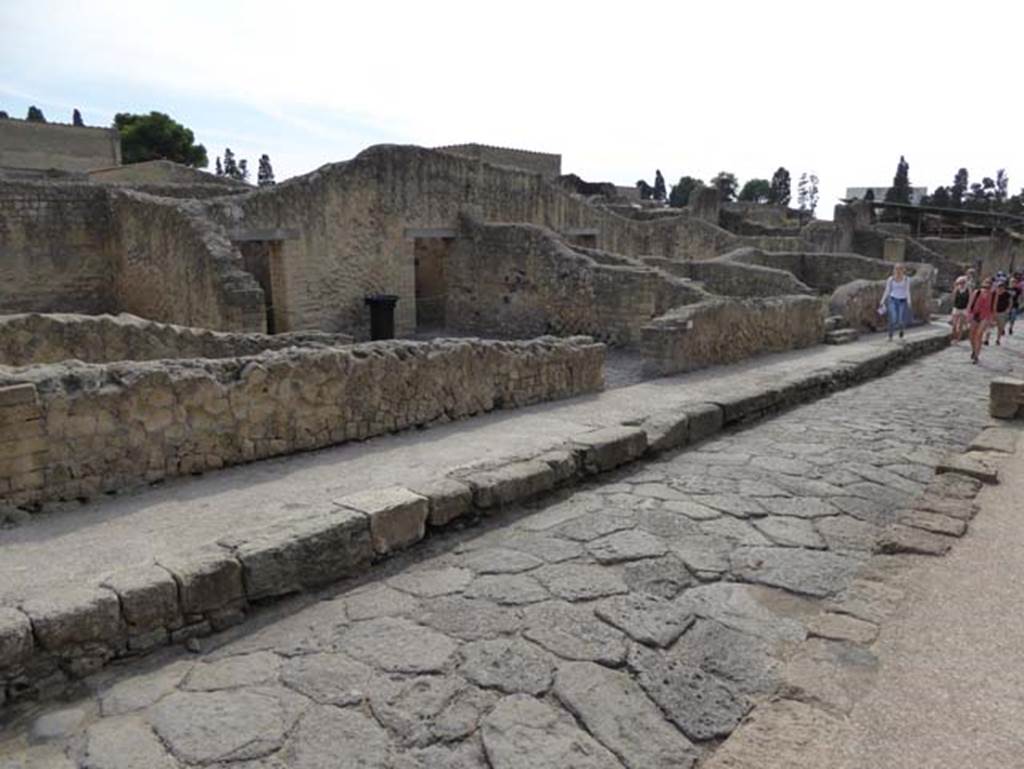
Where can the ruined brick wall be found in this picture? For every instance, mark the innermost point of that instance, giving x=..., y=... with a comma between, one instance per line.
x=547, y=164
x=521, y=281
x=76, y=430
x=163, y=172
x=33, y=339
x=720, y=276
x=822, y=271
x=725, y=331
x=857, y=301
x=56, y=242
x=354, y=220
x=25, y=144
x=173, y=264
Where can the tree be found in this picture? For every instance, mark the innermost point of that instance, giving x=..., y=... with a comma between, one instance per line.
x=900, y=191
x=659, y=185
x=265, y=177
x=157, y=136
x=780, y=190
x=959, y=188
x=646, y=190
x=76, y=118
x=726, y=184
x=230, y=165
x=941, y=198
x=4, y=115
x=35, y=115
x=869, y=196
x=812, y=193
x=220, y=168
x=680, y=194
x=243, y=170
x=1002, y=185
x=756, y=191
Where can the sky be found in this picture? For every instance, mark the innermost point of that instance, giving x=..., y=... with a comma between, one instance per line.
x=839, y=89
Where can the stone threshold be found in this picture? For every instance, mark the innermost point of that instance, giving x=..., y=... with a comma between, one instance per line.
x=72, y=633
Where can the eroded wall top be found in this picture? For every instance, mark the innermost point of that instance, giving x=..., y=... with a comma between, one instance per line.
x=41, y=146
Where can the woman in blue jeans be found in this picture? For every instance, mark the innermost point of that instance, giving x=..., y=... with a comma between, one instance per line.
x=896, y=300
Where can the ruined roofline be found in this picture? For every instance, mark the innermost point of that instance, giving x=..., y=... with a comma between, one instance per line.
x=470, y=145
x=61, y=125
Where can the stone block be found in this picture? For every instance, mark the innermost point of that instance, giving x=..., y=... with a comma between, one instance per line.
x=149, y=597
x=904, y=539
x=208, y=578
x=398, y=517
x=703, y=421
x=562, y=463
x=15, y=638
x=666, y=430
x=745, y=406
x=610, y=447
x=507, y=484
x=1005, y=397
x=974, y=464
x=448, y=499
x=19, y=394
x=68, y=618
x=292, y=556
x=998, y=439
x=934, y=522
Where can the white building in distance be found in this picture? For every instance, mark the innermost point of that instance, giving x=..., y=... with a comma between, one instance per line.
x=916, y=193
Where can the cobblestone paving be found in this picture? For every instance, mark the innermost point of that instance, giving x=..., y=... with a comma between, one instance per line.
x=632, y=623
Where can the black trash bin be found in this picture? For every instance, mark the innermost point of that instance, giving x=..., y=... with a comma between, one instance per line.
x=382, y=315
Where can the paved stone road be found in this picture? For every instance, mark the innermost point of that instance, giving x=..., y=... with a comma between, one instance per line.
x=629, y=624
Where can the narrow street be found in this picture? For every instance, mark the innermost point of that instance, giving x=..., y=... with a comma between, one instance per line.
x=630, y=623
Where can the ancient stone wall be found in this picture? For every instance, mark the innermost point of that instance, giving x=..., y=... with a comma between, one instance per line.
x=27, y=144
x=547, y=164
x=35, y=338
x=724, y=331
x=172, y=264
x=56, y=242
x=720, y=276
x=358, y=220
x=521, y=281
x=163, y=172
x=76, y=430
x=857, y=301
x=824, y=272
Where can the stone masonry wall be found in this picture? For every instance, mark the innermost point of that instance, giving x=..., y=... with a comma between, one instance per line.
x=34, y=339
x=27, y=144
x=174, y=265
x=55, y=248
x=720, y=276
x=858, y=300
x=76, y=430
x=354, y=220
x=725, y=331
x=518, y=281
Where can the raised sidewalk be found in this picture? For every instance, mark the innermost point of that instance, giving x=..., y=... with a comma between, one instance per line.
x=125, y=574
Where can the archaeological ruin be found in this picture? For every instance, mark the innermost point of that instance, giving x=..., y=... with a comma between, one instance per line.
x=158, y=322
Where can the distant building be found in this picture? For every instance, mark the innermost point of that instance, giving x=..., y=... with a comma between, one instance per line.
x=547, y=164
x=916, y=193
x=30, y=147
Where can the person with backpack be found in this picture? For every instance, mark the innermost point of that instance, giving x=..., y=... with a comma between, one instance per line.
x=961, y=296
x=979, y=310
x=1002, y=301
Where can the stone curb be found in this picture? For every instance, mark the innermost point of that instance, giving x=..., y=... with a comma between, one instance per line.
x=44, y=642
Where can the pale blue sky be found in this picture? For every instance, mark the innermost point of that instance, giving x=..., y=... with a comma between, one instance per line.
x=839, y=88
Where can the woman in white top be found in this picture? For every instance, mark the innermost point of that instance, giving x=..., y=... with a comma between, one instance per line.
x=896, y=299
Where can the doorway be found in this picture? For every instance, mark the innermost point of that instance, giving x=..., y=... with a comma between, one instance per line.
x=430, y=255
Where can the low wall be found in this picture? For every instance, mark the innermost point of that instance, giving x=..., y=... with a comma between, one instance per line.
x=725, y=331
x=858, y=300
x=734, y=279
x=517, y=281
x=36, y=339
x=72, y=431
x=822, y=271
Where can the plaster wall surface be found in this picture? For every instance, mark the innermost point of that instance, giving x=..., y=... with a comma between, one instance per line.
x=29, y=145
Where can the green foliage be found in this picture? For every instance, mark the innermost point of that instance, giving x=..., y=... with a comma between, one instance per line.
x=646, y=190
x=726, y=184
x=35, y=115
x=76, y=118
x=959, y=188
x=807, y=194
x=4, y=115
x=659, y=185
x=157, y=136
x=780, y=193
x=680, y=195
x=869, y=196
x=265, y=177
x=900, y=190
x=756, y=191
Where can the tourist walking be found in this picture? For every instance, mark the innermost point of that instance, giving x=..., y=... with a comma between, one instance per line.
x=896, y=300
x=1002, y=301
x=979, y=309
x=1015, y=291
x=961, y=296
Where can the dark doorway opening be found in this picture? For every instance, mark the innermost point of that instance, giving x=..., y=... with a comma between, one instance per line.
x=430, y=256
